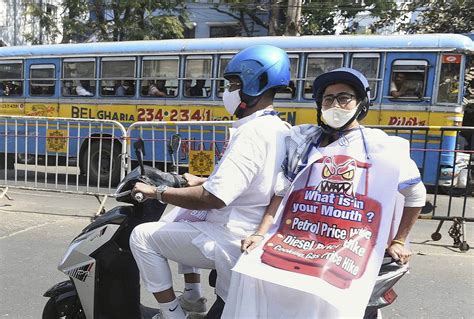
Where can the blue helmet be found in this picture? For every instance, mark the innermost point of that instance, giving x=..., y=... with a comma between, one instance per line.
x=260, y=67
x=348, y=76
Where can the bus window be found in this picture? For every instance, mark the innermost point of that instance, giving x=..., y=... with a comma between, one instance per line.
x=78, y=77
x=198, y=74
x=368, y=64
x=448, y=90
x=317, y=64
x=42, y=79
x=159, y=77
x=408, y=79
x=290, y=91
x=11, y=78
x=117, y=77
x=220, y=82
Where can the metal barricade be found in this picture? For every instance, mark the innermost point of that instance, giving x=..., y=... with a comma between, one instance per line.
x=445, y=158
x=78, y=156
x=91, y=156
x=201, y=144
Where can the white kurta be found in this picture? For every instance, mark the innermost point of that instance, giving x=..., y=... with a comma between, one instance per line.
x=279, y=293
x=244, y=180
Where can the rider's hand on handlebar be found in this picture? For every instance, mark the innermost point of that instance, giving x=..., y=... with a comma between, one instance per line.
x=249, y=243
x=194, y=180
x=399, y=252
x=147, y=190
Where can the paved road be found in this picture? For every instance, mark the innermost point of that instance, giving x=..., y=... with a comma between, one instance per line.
x=36, y=227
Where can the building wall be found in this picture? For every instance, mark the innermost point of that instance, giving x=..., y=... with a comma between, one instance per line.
x=12, y=22
x=15, y=22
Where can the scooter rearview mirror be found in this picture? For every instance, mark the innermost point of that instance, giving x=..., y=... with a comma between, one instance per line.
x=173, y=149
x=174, y=144
x=139, y=146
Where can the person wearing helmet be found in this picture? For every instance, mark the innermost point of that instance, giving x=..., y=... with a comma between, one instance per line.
x=236, y=193
x=342, y=99
x=329, y=167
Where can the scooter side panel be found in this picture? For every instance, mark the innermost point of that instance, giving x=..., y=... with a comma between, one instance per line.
x=85, y=287
x=80, y=249
x=81, y=268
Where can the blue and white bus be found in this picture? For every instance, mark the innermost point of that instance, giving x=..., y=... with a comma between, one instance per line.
x=181, y=80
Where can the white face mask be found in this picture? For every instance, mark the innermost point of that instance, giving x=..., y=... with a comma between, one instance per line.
x=231, y=100
x=336, y=117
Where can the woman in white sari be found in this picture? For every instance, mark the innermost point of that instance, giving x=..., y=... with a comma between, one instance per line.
x=351, y=193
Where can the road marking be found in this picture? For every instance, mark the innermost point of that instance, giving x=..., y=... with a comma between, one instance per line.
x=29, y=228
x=11, y=211
x=40, y=193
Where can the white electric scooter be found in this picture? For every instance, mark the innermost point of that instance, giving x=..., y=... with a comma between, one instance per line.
x=103, y=276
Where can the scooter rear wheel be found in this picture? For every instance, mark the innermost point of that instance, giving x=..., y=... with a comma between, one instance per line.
x=66, y=308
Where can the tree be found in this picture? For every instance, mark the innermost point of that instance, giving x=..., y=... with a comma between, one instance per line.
x=46, y=20
x=440, y=16
x=294, y=17
x=116, y=20
x=342, y=16
x=279, y=17
x=433, y=16
x=245, y=12
x=73, y=19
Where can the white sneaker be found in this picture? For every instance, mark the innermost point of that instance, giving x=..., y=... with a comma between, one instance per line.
x=159, y=315
x=193, y=306
x=195, y=315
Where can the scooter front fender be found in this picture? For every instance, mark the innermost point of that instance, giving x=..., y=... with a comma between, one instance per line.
x=60, y=291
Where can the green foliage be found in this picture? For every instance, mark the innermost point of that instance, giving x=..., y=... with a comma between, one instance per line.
x=165, y=27
x=244, y=11
x=114, y=20
x=432, y=16
x=47, y=23
x=441, y=16
x=74, y=18
x=322, y=17
x=317, y=17
x=119, y=20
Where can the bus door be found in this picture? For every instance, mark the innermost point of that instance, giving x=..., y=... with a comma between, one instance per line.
x=11, y=87
x=42, y=87
x=41, y=92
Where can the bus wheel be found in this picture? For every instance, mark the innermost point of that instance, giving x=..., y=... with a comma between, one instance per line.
x=102, y=158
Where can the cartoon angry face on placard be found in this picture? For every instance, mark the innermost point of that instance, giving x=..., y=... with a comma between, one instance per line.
x=339, y=175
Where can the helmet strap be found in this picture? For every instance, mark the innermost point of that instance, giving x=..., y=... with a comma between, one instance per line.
x=239, y=112
x=247, y=103
x=364, y=108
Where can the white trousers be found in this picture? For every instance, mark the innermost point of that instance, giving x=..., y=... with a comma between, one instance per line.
x=152, y=244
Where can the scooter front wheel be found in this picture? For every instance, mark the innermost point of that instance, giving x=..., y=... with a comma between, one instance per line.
x=67, y=308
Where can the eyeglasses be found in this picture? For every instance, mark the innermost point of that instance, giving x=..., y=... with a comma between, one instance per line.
x=342, y=99
x=228, y=84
